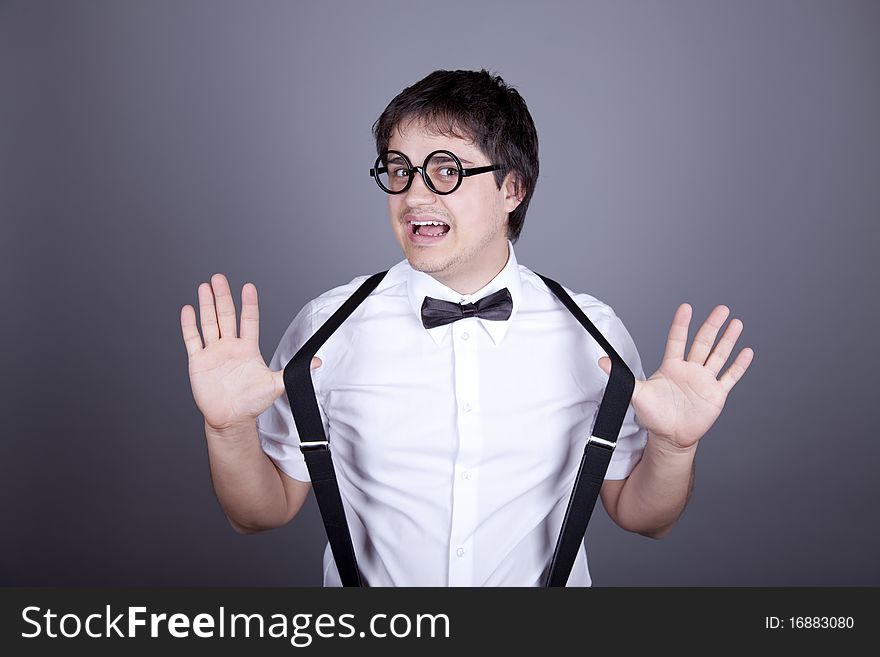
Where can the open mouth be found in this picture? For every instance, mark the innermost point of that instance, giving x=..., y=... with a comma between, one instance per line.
x=429, y=228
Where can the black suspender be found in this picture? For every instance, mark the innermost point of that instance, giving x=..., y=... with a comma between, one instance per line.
x=314, y=444
x=597, y=453
x=316, y=447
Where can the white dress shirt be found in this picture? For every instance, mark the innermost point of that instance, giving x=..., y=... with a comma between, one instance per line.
x=455, y=448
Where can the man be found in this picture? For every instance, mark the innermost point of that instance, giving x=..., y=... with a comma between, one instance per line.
x=455, y=445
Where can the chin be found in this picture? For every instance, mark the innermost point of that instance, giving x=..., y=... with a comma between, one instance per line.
x=415, y=253
x=428, y=263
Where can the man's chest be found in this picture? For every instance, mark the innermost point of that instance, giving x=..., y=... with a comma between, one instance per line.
x=400, y=396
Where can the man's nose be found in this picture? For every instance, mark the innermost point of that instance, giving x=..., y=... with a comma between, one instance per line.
x=419, y=193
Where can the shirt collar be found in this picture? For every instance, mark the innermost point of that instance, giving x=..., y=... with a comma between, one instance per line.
x=420, y=285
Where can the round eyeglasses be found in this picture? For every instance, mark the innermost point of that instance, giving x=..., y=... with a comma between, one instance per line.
x=442, y=172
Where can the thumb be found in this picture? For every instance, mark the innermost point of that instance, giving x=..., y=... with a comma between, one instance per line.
x=279, y=375
x=605, y=364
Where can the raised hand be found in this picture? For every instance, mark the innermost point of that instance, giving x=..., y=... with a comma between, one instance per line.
x=231, y=382
x=684, y=397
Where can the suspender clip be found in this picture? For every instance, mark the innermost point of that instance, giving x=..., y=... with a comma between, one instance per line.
x=314, y=445
x=607, y=444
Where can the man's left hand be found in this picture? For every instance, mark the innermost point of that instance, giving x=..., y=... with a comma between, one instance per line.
x=683, y=398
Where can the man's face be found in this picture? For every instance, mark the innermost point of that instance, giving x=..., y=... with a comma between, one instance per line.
x=474, y=248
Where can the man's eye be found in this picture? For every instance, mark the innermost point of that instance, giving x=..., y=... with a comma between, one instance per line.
x=399, y=173
x=448, y=172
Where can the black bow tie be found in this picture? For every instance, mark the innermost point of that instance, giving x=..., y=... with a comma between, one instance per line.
x=496, y=306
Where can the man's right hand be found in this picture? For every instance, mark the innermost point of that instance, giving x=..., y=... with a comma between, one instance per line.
x=231, y=382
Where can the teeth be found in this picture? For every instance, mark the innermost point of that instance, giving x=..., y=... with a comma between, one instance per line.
x=415, y=225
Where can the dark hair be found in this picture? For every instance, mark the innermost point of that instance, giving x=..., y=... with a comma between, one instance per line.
x=478, y=106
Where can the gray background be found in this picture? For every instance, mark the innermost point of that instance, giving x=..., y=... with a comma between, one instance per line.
x=697, y=151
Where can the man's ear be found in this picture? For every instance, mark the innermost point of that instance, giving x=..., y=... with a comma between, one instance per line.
x=514, y=191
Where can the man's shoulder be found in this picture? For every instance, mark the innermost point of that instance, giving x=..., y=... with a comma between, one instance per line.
x=319, y=309
x=591, y=305
x=327, y=302
x=601, y=314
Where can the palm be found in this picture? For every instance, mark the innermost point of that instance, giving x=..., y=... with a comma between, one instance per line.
x=231, y=383
x=684, y=397
x=680, y=399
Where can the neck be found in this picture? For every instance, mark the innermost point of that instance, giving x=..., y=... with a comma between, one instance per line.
x=468, y=282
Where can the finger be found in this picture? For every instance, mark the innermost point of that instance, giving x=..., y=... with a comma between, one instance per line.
x=250, y=313
x=207, y=314
x=316, y=363
x=678, y=333
x=725, y=345
x=705, y=337
x=225, y=306
x=191, y=338
x=736, y=370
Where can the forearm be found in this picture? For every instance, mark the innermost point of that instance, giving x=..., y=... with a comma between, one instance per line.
x=246, y=482
x=657, y=490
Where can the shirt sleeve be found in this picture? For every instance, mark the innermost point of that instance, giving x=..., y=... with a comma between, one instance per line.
x=275, y=426
x=633, y=436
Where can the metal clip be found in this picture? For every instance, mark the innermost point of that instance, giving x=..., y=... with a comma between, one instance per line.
x=607, y=444
x=312, y=445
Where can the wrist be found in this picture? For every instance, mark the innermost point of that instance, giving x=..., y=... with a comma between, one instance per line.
x=235, y=431
x=668, y=446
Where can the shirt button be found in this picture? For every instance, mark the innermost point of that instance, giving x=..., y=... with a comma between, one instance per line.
x=460, y=552
x=467, y=407
x=465, y=336
x=466, y=475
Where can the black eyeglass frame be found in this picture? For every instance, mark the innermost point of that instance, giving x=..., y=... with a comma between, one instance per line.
x=377, y=170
